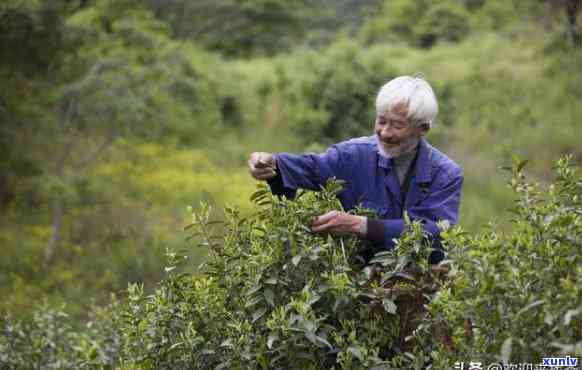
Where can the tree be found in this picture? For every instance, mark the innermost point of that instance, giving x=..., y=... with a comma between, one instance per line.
x=236, y=27
x=419, y=23
x=81, y=78
x=32, y=45
x=128, y=72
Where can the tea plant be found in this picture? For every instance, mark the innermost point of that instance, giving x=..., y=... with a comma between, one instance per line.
x=275, y=295
x=515, y=296
x=48, y=340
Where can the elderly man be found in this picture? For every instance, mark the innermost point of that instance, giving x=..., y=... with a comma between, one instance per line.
x=392, y=171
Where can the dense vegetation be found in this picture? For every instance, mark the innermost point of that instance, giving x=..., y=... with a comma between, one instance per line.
x=115, y=115
x=274, y=295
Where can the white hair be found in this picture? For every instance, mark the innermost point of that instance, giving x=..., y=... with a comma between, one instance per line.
x=415, y=93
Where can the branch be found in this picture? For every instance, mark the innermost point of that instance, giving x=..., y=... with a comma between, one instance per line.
x=84, y=162
x=60, y=164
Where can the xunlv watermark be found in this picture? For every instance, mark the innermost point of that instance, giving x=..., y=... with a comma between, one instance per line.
x=548, y=363
x=559, y=361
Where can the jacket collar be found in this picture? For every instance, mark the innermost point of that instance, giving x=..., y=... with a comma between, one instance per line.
x=424, y=162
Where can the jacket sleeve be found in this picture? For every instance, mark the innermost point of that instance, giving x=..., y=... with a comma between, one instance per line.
x=442, y=203
x=305, y=171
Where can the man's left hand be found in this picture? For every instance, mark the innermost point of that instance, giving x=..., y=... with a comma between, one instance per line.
x=339, y=223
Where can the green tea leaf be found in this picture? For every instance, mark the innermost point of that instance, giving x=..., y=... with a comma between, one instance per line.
x=258, y=314
x=269, y=296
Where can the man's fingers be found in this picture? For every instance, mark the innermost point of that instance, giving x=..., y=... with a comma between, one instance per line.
x=264, y=160
x=261, y=166
x=261, y=160
x=320, y=229
x=323, y=224
x=262, y=173
x=323, y=219
x=254, y=160
x=335, y=222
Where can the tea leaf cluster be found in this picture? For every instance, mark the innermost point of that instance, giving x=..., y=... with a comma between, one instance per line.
x=275, y=295
x=515, y=296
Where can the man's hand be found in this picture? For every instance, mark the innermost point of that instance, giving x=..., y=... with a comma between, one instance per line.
x=262, y=165
x=340, y=223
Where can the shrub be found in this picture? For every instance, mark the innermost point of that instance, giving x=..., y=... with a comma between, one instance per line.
x=418, y=23
x=515, y=296
x=274, y=295
x=48, y=340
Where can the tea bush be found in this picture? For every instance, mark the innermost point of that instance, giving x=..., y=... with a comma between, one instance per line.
x=514, y=296
x=274, y=295
x=48, y=340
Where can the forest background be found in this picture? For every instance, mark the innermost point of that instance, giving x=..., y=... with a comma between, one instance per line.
x=116, y=115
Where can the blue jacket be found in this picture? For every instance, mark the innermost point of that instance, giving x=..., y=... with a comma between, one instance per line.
x=433, y=194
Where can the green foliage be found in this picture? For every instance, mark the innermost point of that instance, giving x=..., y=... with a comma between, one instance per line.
x=29, y=32
x=48, y=340
x=273, y=294
x=177, y=123
x=446, y=21
x=237, y=28
x=419, y=23
x=34, y=41
x=116, y=79
x=42, y=340
x=424, y=23
x=329, y=96
x=118, y=221
x=514, y=296
x=136, y=80
x=276, y=295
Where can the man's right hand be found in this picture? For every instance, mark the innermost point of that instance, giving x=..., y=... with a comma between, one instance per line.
x=262, y=165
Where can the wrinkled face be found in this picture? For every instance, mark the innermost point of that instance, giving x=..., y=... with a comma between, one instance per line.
x=395, y=132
